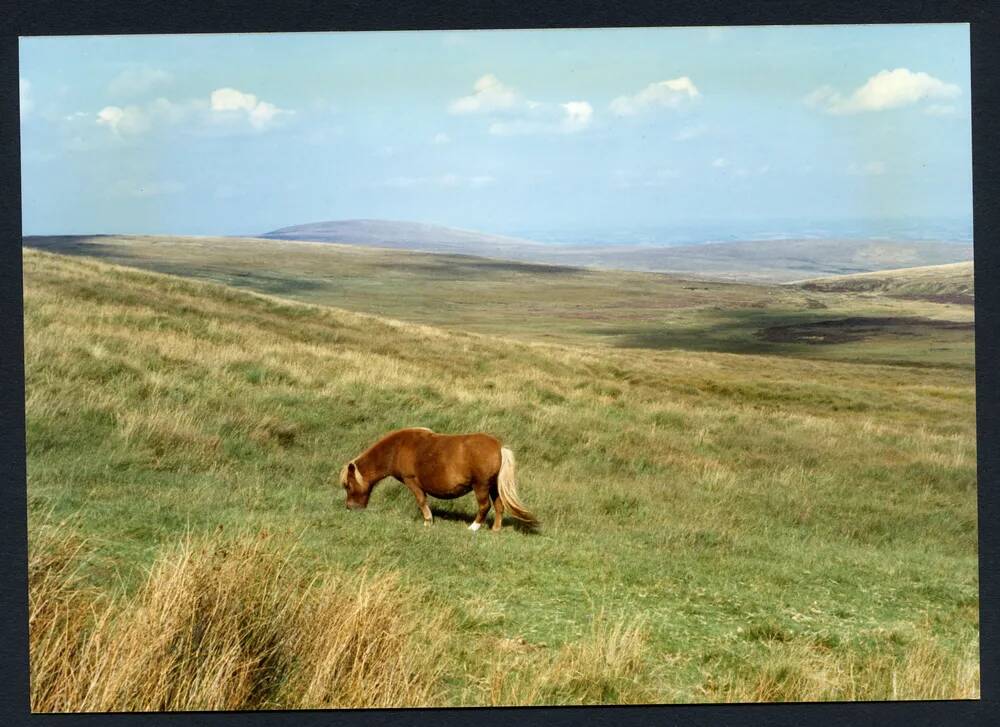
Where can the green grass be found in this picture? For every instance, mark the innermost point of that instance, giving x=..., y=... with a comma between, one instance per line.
x=787, y=528
x=545, y=302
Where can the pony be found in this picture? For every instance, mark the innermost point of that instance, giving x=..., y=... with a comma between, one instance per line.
x=445, y=466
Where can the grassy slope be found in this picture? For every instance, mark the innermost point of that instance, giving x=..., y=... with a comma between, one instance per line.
x=540, y=302
x=787, y=528
x=952, y=283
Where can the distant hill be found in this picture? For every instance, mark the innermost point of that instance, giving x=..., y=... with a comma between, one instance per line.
x=936, y=283
x=407, y=236
x=763, y=261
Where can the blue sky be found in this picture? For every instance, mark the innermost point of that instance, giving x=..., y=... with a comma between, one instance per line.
x=495, y=130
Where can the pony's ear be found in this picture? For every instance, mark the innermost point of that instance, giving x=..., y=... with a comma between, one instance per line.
x=352, y=469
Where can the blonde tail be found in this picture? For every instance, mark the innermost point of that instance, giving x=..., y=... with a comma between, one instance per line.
x=507, y=486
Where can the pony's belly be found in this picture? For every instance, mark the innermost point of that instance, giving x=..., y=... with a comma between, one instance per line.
x=449, y=493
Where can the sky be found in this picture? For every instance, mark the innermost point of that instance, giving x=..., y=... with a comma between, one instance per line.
x=498, y=131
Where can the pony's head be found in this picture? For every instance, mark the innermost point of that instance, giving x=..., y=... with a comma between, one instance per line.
x=355, y=486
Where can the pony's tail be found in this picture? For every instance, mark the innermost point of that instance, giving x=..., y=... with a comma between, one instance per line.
x=507, y=486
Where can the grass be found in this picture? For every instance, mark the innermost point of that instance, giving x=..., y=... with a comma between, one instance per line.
x=551, y=303
x=714, y=526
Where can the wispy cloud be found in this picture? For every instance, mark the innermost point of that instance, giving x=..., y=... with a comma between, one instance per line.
x=940, y=110
x=868, y=169
x=672, y=93
x=720, y=162
x=226, y=108
x=440, y=138
x=138, y=80
x=690, y=132
x=885, y=90
x=442, y=180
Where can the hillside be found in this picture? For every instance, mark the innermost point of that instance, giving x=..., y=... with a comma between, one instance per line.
x=762, y=261
x=538, y=302
x=938, y=283
x=407, y=236
x=786, y=260
x=767, y=528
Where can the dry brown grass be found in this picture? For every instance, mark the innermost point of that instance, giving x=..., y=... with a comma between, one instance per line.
x=602, y=668
x=225, y=624
x=802, y=673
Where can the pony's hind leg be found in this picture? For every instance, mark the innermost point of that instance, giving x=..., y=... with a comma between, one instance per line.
x=483, y=499
x=497, y=507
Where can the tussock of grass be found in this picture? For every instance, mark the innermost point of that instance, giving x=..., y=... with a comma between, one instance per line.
x=225, y=624
x=801, y=672
x=604, y=667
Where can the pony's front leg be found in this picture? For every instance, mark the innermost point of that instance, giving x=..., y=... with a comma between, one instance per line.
x=414, y=484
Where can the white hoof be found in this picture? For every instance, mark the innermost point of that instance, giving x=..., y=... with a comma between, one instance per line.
x=427, y=523
x=474, y=527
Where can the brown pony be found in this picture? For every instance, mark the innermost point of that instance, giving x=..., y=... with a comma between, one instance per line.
x=442, y=465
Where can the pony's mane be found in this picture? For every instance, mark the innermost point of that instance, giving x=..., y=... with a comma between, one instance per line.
x=389, y=436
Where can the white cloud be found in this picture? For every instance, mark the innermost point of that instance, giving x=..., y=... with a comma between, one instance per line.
x=665, y=94
x=441, y=138
x=885, y=90
x=26, y=102
x=137, y=81
x=940, y=110
x=690, y=132
x=869, y=169
x=720, y=162
x=489, y=95
x=449, y=180
x=229, y=104
x=512, y=114
x=127, y=121
x=565, y=118
x=578, y=115
x=480, y=180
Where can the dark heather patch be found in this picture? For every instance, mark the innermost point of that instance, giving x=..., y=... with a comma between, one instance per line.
x=846, y=330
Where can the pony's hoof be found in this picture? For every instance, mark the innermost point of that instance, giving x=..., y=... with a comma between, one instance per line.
x=474, y=527
x=427, y=523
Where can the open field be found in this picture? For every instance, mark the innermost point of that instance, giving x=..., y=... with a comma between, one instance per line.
x=563, y=304
x=715, y=527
